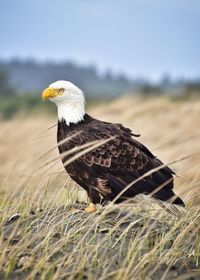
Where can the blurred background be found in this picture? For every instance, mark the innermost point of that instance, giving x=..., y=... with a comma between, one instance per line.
x=144, y=47
x=136, y=60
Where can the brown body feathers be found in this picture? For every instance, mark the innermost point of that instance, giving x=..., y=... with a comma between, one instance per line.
x=108, y=169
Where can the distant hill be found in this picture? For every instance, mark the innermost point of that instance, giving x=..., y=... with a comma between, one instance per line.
x=32, y=76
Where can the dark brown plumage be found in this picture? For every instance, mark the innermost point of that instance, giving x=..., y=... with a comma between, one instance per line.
x=107, y=170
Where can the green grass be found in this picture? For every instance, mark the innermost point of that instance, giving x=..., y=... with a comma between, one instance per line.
x=23, y=105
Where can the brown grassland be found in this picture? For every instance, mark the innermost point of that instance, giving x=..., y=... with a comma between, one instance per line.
x=44, y=232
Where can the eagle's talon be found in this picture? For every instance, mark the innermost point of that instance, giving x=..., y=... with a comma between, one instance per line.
x=91, y=208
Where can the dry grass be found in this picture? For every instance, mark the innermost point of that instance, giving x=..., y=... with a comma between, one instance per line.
x=46, y=239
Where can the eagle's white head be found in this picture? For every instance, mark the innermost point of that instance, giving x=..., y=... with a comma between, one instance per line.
x=69, y=99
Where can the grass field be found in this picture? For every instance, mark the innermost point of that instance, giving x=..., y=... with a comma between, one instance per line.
x=43, y=236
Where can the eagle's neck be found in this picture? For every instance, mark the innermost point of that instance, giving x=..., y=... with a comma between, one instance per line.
x=71, y=113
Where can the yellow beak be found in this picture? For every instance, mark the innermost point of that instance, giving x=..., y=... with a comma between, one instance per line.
x=49, y=93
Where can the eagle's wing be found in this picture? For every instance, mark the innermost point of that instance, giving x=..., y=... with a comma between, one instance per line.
x=122, y=160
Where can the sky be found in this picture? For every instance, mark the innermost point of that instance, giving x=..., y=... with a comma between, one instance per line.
x=146, y=38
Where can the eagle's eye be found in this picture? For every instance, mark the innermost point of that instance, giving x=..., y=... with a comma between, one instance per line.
x=60, y=90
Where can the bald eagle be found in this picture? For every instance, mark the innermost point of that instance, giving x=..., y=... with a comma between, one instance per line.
x=120, y=168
